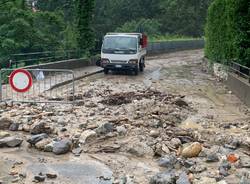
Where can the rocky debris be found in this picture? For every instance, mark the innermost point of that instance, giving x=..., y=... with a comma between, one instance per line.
x=244, y=162
x=77, y=151
x=140, y=149
x=43, y=143
x=14, y=127
x=88, y=135
x=224, y=168
x=205, y=180
x=154, y=133
x=40, y=128
x=180, y=102
x=5, y=123
x=183, y=179
x=175, y=142
x=62, y=147
x=245, y=179
x=212, y=157
x=10, y=142
x=197, y=169
x=105, y=128
x=49, y=147
x=4, y=134
x=36, y=138
x=51, y=175
x=192, y=150
x=121, y=130
x=168, y=161
x=163, y=178
x=39, y=178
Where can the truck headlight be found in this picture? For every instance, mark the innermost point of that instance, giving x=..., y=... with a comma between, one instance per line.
x=133, y=61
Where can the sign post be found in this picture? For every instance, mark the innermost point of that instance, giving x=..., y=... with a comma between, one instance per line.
x=20, y=80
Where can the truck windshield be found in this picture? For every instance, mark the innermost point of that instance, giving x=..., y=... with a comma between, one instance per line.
x=119, y=45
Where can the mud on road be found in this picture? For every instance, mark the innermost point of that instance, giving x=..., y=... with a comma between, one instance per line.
x=174, y=123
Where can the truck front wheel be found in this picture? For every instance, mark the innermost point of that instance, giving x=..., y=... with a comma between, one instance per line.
x=142, y=65
x=136, y=71
x=106, y=71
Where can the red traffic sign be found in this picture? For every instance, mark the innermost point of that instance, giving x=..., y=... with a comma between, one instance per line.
x=20, y=80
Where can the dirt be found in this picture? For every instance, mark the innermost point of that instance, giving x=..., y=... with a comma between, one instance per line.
x=134, y=121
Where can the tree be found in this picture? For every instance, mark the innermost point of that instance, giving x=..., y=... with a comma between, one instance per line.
x=85, y=9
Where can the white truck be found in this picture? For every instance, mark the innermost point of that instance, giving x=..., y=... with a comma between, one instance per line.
x=124, y=51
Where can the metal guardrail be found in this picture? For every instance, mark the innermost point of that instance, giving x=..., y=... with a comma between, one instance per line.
x=240, y=70
x=25, y=59
x=41, y=90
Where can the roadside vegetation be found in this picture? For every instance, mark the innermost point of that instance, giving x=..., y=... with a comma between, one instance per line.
x=60, y=25
x=227, y=31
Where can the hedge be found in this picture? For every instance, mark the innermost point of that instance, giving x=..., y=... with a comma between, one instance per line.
x=227, y=31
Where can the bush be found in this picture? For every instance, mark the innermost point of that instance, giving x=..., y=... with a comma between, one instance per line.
x=227, y=31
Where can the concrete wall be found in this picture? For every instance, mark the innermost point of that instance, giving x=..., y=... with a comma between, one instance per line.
x=240, y=87
x=172, y=46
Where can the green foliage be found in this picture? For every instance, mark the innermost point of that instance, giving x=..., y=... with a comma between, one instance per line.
x=85, y=10
x=227, y=31
x=149, y=26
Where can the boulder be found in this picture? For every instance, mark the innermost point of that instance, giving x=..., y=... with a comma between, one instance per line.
x=168, y=161
x=192, y=150
x=140, y=149
x=62, y=147
x=10, y=142
x=36, y=138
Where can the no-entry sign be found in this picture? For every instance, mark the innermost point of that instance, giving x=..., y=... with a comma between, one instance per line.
x=20, y=80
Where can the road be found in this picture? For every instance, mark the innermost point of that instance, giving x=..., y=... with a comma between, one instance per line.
x=134, y=121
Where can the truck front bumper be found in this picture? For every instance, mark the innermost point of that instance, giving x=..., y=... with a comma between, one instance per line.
x=115, y=66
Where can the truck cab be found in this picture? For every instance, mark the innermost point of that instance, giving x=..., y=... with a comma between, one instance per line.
x=124, y=51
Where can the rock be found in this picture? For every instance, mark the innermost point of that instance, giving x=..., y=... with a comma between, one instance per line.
x=140, y=149
x=154, y=133
x=192, y=151
x=163, y=178
x=244, y=162
x=40, y=128
x=5, y=123
x=51, y=175
x=212, y=157
x=105, y=128
x=165, y=149
x=49, y=147
x=175, y=142
x=222, y=182
x=180, y=102
x=10, y=142
x=41, y=144
x=61, y=147
x=205, y=180
x=168, y=161
x=245, y=179
x=39, y=178
x=36, y=138
x=188, y=163
x=121, y=130
x=14, y=127
x=183, y=179
x=197, y=169
x=4, y=134
x=88, y=135
x=224, y=167
x=77, y=151
x=232, y=158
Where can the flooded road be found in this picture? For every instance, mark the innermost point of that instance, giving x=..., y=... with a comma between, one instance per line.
x=125, y=123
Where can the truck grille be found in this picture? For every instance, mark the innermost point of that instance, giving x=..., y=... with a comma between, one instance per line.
x=118, y=61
